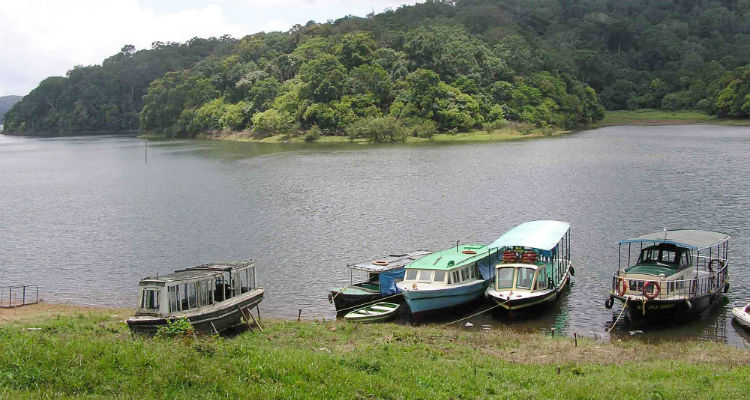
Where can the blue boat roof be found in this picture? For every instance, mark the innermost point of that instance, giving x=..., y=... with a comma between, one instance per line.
x=688, y=238
x=542, y=235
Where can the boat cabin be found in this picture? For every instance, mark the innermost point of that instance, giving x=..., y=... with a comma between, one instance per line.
x=454, y=266
x=190, y=289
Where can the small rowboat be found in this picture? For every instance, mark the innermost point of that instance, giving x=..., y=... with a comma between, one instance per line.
x=377, y=312
x=742, y=315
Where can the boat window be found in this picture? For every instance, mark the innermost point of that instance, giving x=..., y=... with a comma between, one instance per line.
x=684, y=259
x=192, y=295
x=505, y=278
x=173, y=299
x=184, y=297
x=439, y=276
x=219, y=289
x=456, y=278
x=525, y=275
x=425, y=275
x=541, y=280
x=411, y=274
x=210, y=291
x=243, y=280
x=668, y=256
x=150, y=299
x=203, y=293
x=251, y=274
x=464, y=274
x=649, y=256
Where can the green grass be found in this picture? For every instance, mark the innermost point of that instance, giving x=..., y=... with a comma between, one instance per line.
x=92, y=355
x=659, y=117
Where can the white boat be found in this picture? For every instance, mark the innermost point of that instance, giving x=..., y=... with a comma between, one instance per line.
x=450, y=278
x=675, y=273
x=535, y=265
x=381, y=311
x=213, y=297
x=742, y=315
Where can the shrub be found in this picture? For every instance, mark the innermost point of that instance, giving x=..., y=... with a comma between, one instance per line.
x=175, y=328
x=378, y=129
x=313, y=134
x=423, y=129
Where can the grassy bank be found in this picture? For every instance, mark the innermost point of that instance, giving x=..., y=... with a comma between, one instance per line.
x=89, y=353
x=659, y=117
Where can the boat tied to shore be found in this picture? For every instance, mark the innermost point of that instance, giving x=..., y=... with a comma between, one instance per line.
x=382, y=275
x=535, y=265
x=453, y=277
x=676, y=273
x=213, y=297
x=381, y=311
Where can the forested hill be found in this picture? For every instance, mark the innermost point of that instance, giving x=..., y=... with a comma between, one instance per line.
x=437, y=66
x=6, y=102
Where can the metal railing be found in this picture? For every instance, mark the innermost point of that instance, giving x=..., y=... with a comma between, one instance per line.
x=19, y=295
x=673, y=289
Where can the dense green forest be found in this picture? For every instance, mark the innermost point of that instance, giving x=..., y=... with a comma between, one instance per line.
x=440, y=66
x=6, y=102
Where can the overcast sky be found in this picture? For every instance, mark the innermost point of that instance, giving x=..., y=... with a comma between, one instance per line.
x=41, y=38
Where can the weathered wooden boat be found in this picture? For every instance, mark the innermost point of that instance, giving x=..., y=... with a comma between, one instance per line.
x=676, y=273
x=380, y=311
x=742, y=315
x=449, y=278
x=535, y=266
x=382, y=275
x=213, y=297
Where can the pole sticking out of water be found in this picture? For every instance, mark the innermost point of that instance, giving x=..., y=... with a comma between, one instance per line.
x=146, y=150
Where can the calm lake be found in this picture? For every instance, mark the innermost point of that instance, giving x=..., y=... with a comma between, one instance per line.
x=85, y=218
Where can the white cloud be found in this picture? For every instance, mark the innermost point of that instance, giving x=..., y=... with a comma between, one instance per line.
x=41, y=38
x=44, y=38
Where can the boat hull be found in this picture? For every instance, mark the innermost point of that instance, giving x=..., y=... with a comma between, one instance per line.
x=346, y=301
x=668, y=309
x=526, y=304
x=424, y=302
x=354, y=316
x=742, y=317
x=217, y=318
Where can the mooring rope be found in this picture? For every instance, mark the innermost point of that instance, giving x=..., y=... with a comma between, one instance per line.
x=625, y=304
x=474, y=315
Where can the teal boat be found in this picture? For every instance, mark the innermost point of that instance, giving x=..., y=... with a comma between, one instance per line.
x=381, y=311
x=449, y=278
x=535, y=266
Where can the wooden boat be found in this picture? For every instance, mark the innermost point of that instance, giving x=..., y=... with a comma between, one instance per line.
x=535, y=265
x=382, y=275
x=742, y=315
x=213, y=297
x=676, y=273
x=381, y=311
x=449, y=278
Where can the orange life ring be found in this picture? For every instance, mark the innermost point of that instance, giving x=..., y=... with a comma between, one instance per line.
x=622, y=286
x=380, y=262
x=469, y=252
x=657, y=290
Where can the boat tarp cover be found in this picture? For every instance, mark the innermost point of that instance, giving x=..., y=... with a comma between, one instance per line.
x=487, y=266
x=388, y=280
x=394, y=261
x=541, y=235
x=688, y=238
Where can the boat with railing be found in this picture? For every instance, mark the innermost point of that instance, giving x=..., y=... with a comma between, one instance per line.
x=449, y=278
x=382, y=275
x=676, y=272
x=213, y=297
x=535, y=266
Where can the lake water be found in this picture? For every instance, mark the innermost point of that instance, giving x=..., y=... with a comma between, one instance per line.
x=85, y=218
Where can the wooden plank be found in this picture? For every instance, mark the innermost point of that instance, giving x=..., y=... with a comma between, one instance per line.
x=245, y=317
x=256, y=322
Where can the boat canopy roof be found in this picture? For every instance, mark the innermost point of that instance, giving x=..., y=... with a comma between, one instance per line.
x=543, y=235
x=220, y=266
x=393, y=261
x=179, y=276
x=688, y=238
x=451, y=258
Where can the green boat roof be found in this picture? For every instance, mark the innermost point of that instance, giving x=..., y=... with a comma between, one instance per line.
x=450, y=258
x=652, y=269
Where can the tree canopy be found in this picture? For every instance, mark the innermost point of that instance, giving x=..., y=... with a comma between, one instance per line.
x=441, y=65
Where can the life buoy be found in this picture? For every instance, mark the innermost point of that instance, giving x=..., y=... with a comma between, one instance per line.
x=380, y=262
x=622, y=287
x=469, y=252
x=652, y=295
